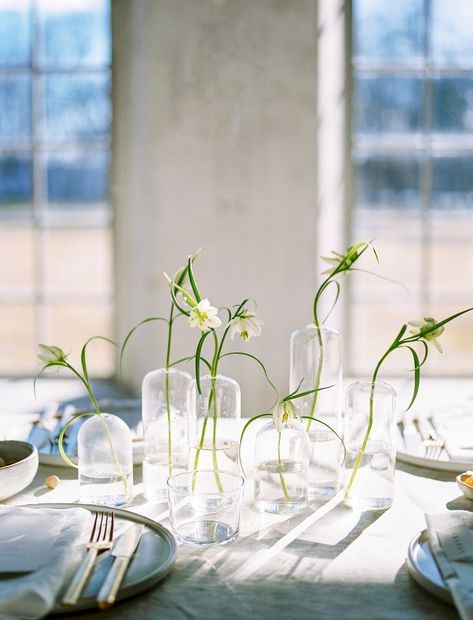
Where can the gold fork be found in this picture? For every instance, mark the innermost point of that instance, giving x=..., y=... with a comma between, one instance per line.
x=101, y=538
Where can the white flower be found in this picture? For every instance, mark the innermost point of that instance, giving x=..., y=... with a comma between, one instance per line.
x=285, y=413
x=432, y=336
x=246, y=325
x=51, y=354
x=204, y=316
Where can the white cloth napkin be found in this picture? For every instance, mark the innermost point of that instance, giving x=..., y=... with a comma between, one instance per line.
x=451, y=541
x=43, y=542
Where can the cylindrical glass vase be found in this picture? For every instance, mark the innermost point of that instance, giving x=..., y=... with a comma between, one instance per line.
x=316, y=361
x=371, y=452
x=165, y=395
x=215, y=425
x=281, y=468
x=105, y=461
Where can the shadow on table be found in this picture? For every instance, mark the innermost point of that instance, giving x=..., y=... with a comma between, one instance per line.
x=424, y=472
x=208, y=595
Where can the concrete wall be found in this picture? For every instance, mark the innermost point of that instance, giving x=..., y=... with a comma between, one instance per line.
x=215, y=147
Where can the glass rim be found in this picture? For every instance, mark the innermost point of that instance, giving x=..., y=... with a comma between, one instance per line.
x=365, y=383
x=173, y=477
x=321, y=328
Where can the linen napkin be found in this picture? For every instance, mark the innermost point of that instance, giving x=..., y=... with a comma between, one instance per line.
x=451, y=542
x=38, y=549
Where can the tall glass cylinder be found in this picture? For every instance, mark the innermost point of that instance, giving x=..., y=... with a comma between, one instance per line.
x=165, y=395
x=105, y=461
x=369, y=435
x=316, y=362
x=215, y=424
x=281, y=468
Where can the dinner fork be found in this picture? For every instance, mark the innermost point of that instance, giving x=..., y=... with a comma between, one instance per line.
x=433, y=443
x=101, y=538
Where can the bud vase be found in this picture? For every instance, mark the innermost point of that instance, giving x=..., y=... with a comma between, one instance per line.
x=215, y=424
x=165, y=395
x=281, y=468
x=316, y=362
x=105, y=461
x=371, y=453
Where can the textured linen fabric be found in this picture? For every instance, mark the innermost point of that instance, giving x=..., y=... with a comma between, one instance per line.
x=33, y=595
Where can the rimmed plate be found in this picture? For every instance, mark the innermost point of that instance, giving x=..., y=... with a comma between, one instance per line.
x=423, y=568
x=438, y=464
x=152, y=561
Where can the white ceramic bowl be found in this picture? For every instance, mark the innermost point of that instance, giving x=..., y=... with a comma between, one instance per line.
x=465, y=488
x=21, y=467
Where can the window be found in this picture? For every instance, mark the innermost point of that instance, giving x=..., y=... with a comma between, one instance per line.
x=412, y=148
x=55, y=220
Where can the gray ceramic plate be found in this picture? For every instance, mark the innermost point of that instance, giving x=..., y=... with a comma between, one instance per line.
x=422, y=567
x=151, y=562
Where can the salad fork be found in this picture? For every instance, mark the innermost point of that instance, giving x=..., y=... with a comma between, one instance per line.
x=101, y=538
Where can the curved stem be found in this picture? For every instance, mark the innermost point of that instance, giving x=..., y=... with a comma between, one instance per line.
x=318, y=375
x=369, y=426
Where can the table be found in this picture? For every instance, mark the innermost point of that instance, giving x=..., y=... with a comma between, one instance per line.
x=347, y=565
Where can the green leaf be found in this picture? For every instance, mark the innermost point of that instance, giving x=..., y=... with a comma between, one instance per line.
x=132, y=331
x=262, y=366
x=64, y=456
x=307, y=417
x=293, y=396
x=182, y=360
x=398, y=338
x=241, y=307
x=256, y=417
x=192, y=279
x=297, y=388
x=83, y=360
x=416, y=371
x=198, y=352
x=378, y=275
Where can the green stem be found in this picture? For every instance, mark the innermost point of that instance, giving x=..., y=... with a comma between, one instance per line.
x=369, y=426
x=105, y=427
x=214, y=438
x=318, y=376
x=281, y=475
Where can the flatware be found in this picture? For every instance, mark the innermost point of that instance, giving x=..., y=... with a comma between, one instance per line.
x=100, y=540
x=40, y=434
x=123, y=551
x=433, y=443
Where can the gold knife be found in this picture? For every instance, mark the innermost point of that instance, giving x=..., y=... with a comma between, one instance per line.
x=123, y=551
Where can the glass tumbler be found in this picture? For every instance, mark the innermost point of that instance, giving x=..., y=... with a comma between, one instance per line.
x=371, y=452
x=204, y=510
x=105, y=461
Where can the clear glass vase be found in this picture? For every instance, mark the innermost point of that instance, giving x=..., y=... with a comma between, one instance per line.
x=370, y=462
x=281, y=468
x=215, y=425
x=316, y=361
x=165, y=398
x=105, y=461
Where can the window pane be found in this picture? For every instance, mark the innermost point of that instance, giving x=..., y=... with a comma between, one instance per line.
x=70, y=325
x=452, y=25
x=453, y=104
x=77, y=107
x=388, y=30
x=74, y=180
x=15, y=33
x=451, y=256
x=16, y=240
x=76, y=32
x=17, y=339
x=16, y=179
x=15, y=109
x=453, y=182
x=388, y=104
x=78, y=261
x=388, y=182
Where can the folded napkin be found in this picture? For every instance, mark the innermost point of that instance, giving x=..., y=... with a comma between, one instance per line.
x=451, y=542
x=38, y=550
